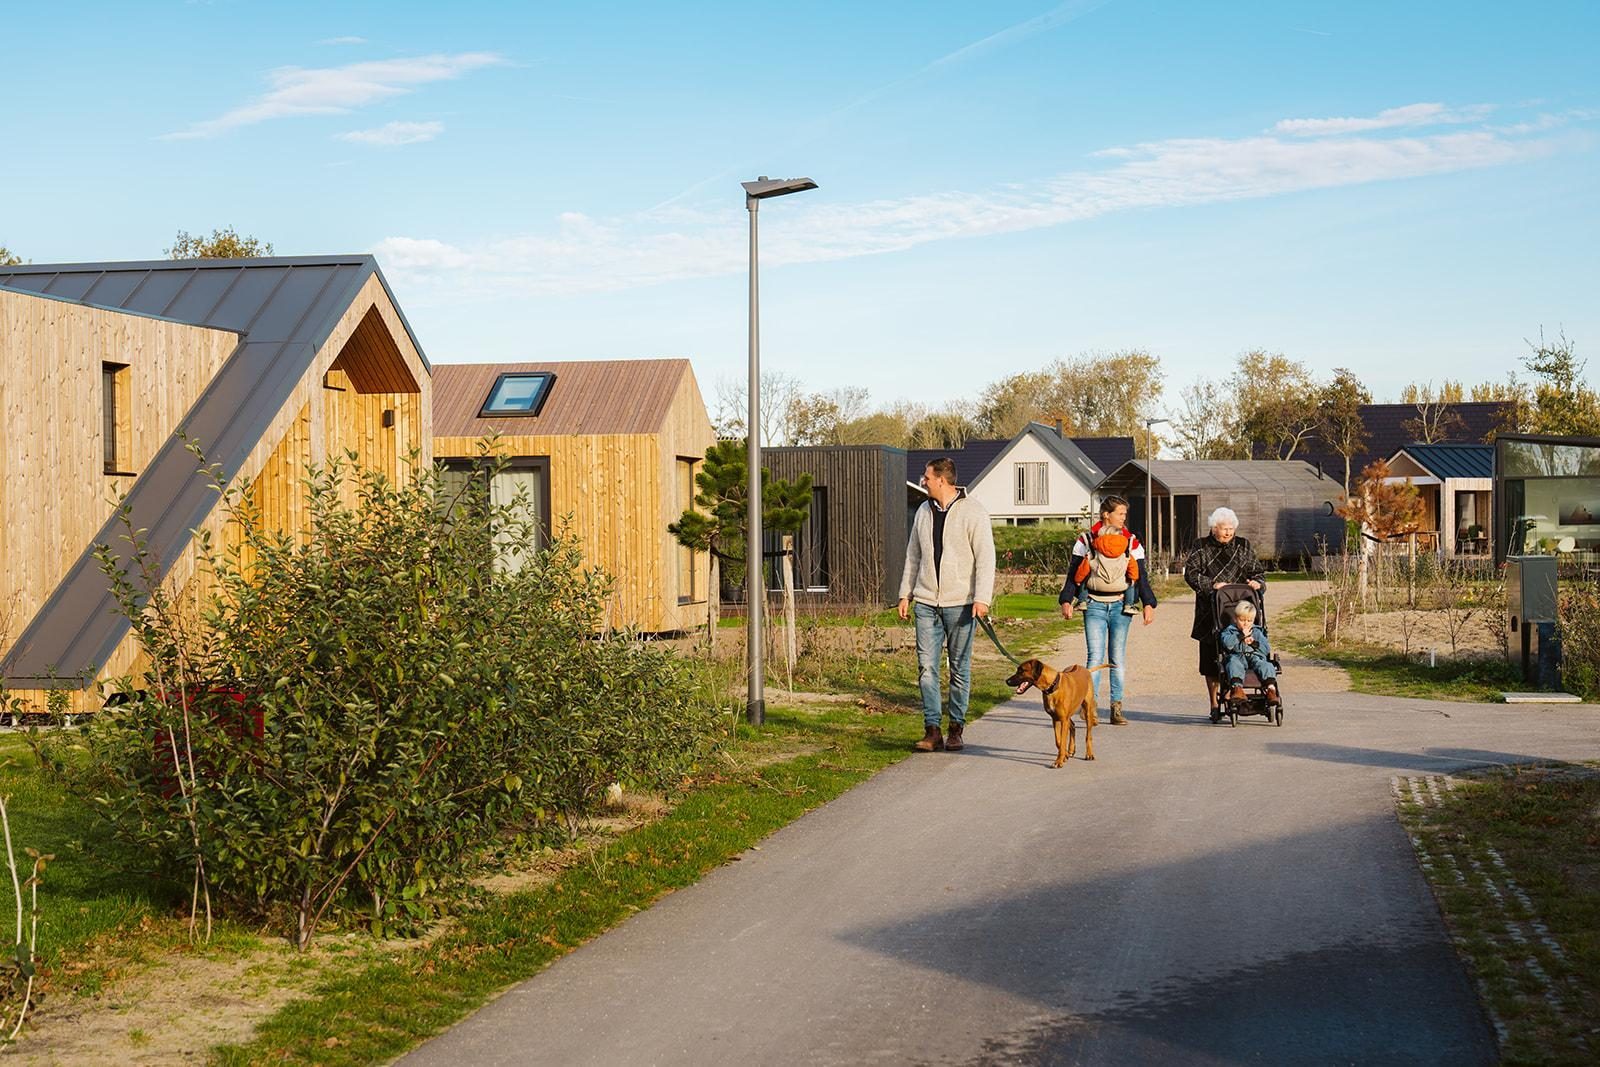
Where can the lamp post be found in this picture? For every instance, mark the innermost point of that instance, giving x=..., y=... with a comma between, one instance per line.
x=755, y=710
x=1149, y=490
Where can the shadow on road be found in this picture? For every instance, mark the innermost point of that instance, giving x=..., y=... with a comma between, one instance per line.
x=1429, y=759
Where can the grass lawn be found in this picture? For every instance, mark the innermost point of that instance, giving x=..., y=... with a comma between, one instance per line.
x=1385, y=672
x=1543, y=825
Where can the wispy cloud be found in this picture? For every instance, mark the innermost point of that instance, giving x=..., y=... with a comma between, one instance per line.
x=298, y=91
x=584, y=254
x=1412, y=115
x=395, y=133
x=342, y=40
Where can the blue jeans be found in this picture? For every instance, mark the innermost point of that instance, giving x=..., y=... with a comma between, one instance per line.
x=1100, y=622
x=1239, y=663
x=944, y=630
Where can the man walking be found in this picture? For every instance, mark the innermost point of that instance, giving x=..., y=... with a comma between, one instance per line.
x=948, y=582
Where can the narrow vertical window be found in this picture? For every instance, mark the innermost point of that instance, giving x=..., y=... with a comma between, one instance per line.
x=115, y=427
x=1032, y=483
x=688, y=558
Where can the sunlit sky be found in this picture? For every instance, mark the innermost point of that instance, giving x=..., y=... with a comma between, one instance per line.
x=1408, y=190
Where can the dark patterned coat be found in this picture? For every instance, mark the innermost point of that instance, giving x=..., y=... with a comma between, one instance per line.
x=1210, y=562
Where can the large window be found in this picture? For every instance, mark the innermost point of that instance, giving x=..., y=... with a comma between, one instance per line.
x=523, y=487
x=689, y=591
x=1548, y=496
x=517, y=394
x=1033, y=483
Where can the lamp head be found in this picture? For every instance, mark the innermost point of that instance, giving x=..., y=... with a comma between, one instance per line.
x=764, y=187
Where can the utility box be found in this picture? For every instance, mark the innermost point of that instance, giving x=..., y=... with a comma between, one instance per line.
x=1530, y=601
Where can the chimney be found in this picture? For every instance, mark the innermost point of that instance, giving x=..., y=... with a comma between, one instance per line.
x=1058, y=430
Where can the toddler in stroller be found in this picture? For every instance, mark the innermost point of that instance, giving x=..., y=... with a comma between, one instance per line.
x=1245, y=658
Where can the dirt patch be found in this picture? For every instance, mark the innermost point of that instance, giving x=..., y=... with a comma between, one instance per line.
x=173, y=1013
x=1422, y=631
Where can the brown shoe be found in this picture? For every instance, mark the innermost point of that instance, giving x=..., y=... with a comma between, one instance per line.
x=932, y=741
x=1236, y=693
x=1272, y=693
x=1116, y=714
x=953, y=743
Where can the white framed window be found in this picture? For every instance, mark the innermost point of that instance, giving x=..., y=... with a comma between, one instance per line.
x=1033, y=483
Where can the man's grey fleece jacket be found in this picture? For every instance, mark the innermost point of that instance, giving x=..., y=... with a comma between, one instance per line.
x=966, y=567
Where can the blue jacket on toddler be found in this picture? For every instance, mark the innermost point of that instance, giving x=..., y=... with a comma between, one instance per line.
x=1243, y=657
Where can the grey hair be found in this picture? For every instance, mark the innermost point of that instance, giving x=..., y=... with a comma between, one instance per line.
x=1244, y=607
x=1222, y=515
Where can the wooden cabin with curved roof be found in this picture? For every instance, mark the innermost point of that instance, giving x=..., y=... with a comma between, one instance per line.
x=607, y=450
x=108, y=371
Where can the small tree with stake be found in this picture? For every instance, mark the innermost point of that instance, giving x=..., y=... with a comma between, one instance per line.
x=717, y=524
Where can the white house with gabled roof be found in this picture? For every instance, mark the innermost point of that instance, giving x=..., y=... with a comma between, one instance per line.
x=1040, y=476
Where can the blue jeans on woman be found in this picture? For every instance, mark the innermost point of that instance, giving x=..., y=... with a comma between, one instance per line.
x=1100, y=623
x=944, y=630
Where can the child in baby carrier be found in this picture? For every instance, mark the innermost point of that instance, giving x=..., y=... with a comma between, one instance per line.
x=1113, y=544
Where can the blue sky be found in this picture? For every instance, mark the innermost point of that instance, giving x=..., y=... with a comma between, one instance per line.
x=1408, y=190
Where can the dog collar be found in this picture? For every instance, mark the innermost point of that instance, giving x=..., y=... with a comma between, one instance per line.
x=1054, y=684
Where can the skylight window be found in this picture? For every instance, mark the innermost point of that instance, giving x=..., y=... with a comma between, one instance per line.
x=517, y=394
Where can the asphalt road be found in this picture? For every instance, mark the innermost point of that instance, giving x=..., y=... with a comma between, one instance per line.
x=1199, y=894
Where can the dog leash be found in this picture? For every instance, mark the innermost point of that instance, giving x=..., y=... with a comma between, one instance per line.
x=988, y=628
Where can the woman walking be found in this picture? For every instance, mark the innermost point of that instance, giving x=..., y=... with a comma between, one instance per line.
x=1104, y=582
x=1220, y=558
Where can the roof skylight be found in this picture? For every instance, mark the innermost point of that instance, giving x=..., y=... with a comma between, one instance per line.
x=517, y=394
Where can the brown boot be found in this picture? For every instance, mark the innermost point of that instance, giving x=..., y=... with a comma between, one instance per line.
x=953, y=743
x=1272, y=693
x=1116, y=714
x=932, y=741
x=1236, y=694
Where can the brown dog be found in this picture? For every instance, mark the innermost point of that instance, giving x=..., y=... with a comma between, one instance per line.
x=1066, y=693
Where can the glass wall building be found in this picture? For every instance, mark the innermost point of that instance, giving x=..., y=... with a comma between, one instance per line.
x=1547, y=498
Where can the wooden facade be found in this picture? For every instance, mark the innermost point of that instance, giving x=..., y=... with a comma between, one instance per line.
x=102, y=401
x=616, y=446
x=854, y=545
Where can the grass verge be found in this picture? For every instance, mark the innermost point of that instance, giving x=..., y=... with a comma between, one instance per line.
x=377, y=1011
x=1513, y=855
x=1385, y=672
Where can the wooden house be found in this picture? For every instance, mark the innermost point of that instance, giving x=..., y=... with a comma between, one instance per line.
x=853, y=545
x=1455, y=483
x=109, y=371
x=1285, y=507
x=606, y=449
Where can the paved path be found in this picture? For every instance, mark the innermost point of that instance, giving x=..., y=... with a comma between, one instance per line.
x=1197, y=895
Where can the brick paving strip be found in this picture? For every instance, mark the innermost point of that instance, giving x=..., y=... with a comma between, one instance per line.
x=1513, y=927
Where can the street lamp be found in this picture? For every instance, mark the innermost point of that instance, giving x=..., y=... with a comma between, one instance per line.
x=1149, y=491
x=755, y=581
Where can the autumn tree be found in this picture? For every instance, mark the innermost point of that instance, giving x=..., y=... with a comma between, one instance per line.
x=1339, y=411
x=948, y=427
x=222, y=244
x=1093, y=394
x=821, y=418
x=1436, y=418
x=1563, y=402
x=9, y=258
x=1277, y=400
x=1386, y=509
x=1208, y=425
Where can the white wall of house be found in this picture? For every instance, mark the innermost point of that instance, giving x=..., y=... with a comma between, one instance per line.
x=1063, y=497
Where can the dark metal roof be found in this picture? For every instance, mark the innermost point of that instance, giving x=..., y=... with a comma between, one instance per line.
x=1107, y=453
x=1474, y=422
x=1180, y=476
x=971, y=458
x=1453, y=461
x=284, y=309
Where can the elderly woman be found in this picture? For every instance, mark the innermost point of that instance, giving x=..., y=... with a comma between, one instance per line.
x=1220, y=558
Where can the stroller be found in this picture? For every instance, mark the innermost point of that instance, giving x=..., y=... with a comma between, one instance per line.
x=1256, y=701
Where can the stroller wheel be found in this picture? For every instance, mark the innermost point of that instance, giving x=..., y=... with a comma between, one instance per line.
x=1277, y=715
x=1233, y=717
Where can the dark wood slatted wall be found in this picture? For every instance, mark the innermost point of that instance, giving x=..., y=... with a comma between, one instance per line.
x=866, y=522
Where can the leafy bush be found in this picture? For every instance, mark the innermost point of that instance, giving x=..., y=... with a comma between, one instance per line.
x=355, y=711
x=1580, y=638
x=1034, y=549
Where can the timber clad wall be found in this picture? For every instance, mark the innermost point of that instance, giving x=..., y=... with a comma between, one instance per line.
x=303, y=325
x=867, y=513
x=613, y=433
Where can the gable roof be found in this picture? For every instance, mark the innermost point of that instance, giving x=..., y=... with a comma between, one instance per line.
x=284, y=309
x=1071, y=458
x=592, y=396
x=1452, y=460
x=1107, y=453
x=1178, y=476
x=1387, y=433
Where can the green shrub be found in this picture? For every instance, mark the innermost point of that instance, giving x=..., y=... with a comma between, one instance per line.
x=1580, y=638
x=426, y=678
x=1034, y=550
